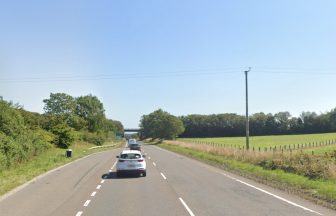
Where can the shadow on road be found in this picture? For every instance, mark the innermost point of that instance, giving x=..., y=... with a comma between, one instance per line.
x=113, y=175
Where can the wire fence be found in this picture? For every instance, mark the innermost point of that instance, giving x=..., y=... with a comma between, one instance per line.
x=271, y=148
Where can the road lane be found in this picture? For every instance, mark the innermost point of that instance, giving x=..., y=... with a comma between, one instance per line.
x=174, y=185
x=129, y=195
x=59, y=192
x=208, y=192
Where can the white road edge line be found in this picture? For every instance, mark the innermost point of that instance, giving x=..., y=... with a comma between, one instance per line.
x=186, y=207
x=93, y=193
x=17, y=189
x=102, y=181
x=257, y=188
x=154, y=163
x=163, y=176
x=98, y=187
x=269, y=193
x=86, y=203
x=79, y=213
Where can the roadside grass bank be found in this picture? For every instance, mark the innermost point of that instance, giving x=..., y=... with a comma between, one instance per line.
x=322, y=191
x=264, y=141
x=53, y=157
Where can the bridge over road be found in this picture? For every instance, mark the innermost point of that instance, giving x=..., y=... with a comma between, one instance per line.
x=132, y=130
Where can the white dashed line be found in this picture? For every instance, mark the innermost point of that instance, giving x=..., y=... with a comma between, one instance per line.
x=93, y=193
x=252, y=186
x=98, y=187
x=102, y=181
x=79, y=213
x=87, y=203
x=154, y=164
x=163, y=176
x=185, y=206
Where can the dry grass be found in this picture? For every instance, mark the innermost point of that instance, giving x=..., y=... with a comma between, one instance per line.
x=320, y=166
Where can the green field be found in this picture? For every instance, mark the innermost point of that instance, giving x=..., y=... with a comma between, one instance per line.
x=265, y=141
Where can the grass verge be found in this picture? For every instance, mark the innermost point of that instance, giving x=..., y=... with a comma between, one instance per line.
x=51, y=158
x=321, y=191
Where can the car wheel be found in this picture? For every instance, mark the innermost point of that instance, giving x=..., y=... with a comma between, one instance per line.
x=144, y=174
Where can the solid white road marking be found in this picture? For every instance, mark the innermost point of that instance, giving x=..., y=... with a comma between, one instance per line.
x=252, y=186
x=163, y=176
x=98, y=187
x=269, y=193
x=185, y=206
x=154, y=164
x=87, y=203
x=93, y=193
x=148, y=158
x=79, y=213
x=102, y=181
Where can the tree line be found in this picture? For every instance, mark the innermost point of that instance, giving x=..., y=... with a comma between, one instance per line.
x=24, y=134
x=161, y=124
x=218, y=125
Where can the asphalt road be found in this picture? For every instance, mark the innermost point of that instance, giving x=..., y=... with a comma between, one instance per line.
x=174, y=185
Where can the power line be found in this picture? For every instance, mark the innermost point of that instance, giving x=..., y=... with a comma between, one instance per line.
x=121, y=76
x=180, y=73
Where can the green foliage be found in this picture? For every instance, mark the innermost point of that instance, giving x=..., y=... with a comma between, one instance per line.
x=85, y=113
x=92, y=111
x=95, y=138
x=59, y=104
x=280, y=123
x=161, y=124
x=19, y=142
x=64, y=135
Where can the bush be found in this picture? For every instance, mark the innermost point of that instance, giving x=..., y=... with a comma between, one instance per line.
x=64, y=135
x=95, y=138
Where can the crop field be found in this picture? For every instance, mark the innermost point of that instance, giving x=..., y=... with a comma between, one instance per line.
x=322, y=141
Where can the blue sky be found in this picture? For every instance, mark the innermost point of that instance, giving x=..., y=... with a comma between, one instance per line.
x=185, y=56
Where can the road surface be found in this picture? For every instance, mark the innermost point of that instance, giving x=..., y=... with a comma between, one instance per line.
x=175, y=185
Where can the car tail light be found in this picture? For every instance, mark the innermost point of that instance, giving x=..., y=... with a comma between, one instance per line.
x=121, y=160
x=140, y=160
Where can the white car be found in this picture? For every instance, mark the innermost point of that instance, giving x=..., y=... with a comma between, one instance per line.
x=131, y=162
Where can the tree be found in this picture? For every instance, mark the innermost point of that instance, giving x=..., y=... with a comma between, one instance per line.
x=59, y=104
x=161, y=124
x=64, y=135
x=92, y=110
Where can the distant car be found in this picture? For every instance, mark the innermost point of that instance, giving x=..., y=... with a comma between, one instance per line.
x=135, y=146
x=131, y=162
x=132, y=141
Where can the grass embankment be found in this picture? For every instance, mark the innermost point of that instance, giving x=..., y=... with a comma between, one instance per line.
x=265, y=141
x=321, y=191
x=51, y=158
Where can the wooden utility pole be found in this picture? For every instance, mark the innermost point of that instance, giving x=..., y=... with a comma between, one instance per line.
x=247, y=114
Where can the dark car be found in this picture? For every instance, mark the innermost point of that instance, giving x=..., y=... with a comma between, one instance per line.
x=135, y=146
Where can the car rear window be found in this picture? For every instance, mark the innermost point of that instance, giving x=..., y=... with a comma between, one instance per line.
x=130, y=156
